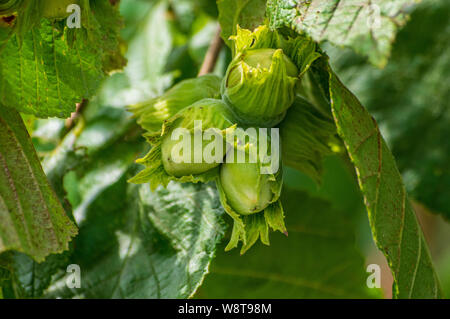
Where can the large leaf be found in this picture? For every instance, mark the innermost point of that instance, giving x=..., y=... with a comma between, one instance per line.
x=27, y=278
x=32, y=218
x=392, y=218
x=368, y=27
x=102, y=126
x=134, y=243
x=129, y=237
x=317, y=260
x=248, y=14
x=409, y=99
x=137, y=244
x=52, y=68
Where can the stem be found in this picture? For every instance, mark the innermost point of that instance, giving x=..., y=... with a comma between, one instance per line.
x=70, y=122
x=213, y=53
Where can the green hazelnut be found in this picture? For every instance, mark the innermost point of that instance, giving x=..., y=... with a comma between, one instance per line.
x=247, y=190
x=260, y=86
x=151, y=114
x=215, y=117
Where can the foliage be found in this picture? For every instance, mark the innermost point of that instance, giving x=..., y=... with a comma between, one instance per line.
x=410, y=100
x=248, y=14
x=32, y=220
x=66, y=195
x=368, y=28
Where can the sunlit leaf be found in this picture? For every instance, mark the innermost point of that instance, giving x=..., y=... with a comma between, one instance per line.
x=393, y=221
x=32, y=218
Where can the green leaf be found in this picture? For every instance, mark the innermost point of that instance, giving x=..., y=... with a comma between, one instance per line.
x=91, y=163
x=33, y=220
x=392, y=218
x=152, y=113
x=28, y=278
x=368, y=28
x=306, y=136
x=52, y=68
x=248, y=14
x=409, y=99
x=140, y=244
x=317, y=260
x=27, y=14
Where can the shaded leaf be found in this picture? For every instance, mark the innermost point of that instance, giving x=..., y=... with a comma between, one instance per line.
x=147, y=56
x=317, y=260
x=392, y=218
x=137, y=244
x=409, y=99
x=26, y=277
x=33, y=220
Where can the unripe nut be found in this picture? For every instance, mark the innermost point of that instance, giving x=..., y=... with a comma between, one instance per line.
x=214, y=117
x=175, y=166
x=247, y=190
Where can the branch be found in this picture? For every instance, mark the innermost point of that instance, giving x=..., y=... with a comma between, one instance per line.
x=70, y=122
x=213, y=53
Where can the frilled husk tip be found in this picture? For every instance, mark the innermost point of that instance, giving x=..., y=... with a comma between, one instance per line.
x=152, y=113
x=260, y=92
x=248, y=228
x=215, y=115
x=251, y=196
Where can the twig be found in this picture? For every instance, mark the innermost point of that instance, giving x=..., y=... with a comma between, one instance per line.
x=70, y=122
x=213, y=53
